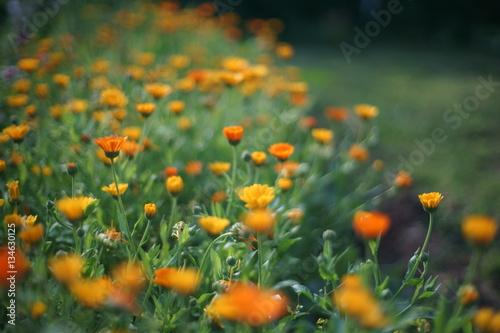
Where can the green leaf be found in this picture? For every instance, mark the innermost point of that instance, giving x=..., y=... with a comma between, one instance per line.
x=425, y=295
x=414, y=282
x=215, y=265
x=90, y=207
x=302, y=290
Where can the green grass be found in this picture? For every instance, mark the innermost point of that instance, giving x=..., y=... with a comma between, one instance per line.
x=413, y=88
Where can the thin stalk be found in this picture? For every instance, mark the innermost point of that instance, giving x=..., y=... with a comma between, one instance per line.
x=171, y=219
x=208, y=249
x=233, y=178
x=142, y=240
x=472, y=269
x=124, y=222
x=260, y=254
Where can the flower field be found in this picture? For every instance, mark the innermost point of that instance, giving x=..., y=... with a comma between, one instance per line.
x=163, y=169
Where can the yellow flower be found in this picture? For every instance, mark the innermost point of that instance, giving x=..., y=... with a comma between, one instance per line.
x=482, y=319
x=62, y=80
x=212, y=224
x=366, y=111
x=111, y=189
x=14, y=219
x=219, y=168
x=77, y=105
x=179, y=61
x=22, y=86
x=42, y=90
x=129, y=275
x=132, y=132
x=145, y=59
x=295, y=215
x=17, y=132
x=73, y=208
x=32, y=234
x=184, y=281
x=17, y=100
x=158, y=90
x=28, y=64
x=111, y=145
x=29, y=221
x=91, y=293
x=359, y=153
x=146, y=109
x=430, y=201
x=479, y=229
x=13, y=188
x=285, y=184
x=257, y=195
x=235, y=64
x=322, y=135
x=38, y=309
x=260, y=220
x=258, y=157
x=284, y=51
x=174, y=185
x=66, y=268
x=114, y=98
x=176, y=106
x=184, y=123
x=150, y=210
x=30, y=110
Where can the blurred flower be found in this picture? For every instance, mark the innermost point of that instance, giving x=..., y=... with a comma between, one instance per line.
x=73, y=208
x=403, y=179
x=3, y=165
x=194, y=168
x=42, y=90
x=176, y=107
x=468, y=294
x=484, y=320
x=219, y=196
x=66, y=268
x=38, y=308
x=114, y=98
x=184, y=281
x=322, y=135
x=56, y=111
x=295, y=215
x=111, y=189
x=371, y=225
x=111, y=145
x=184, y=123
x=358, y=153
x=171, y=171
x=288, y=169
x=284, y=51
x=233, y=134
x=129, y=275
x=378, y=165
x=285, y=184
x=13, y=219
x=430, y=201
x=18, y=100
x=13, y=189
x=100, y=66
x=257, y=195
x=145, y=59
x=62, y=80
x=366, y=111
x=28, y=64
x=338, y=114
x=32, y=234
x=146, y=109
x=246, y=303
x=219, y=168
x=158, y=90
x=30, y=110
x=281, y=151
x=479, y=229
x=130, y=148
x=308, y=122
x=17, y=132
x=22, y=86
x=235, y=64
x=260, y=220
x=119, y=114
x=76, y=105
x=258, y=157
x=91, y=293
x=12, y=259
x=132, y=132
x=179, y=61
x=150, y=210
x=212, y=224
x=174, y=185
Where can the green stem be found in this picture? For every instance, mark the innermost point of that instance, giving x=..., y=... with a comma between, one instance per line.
x=472, y=269
x=78, y=242
x=260, y=254
x=233, y=178
x=208, y=249
x=142, y=239
x=171, y=219
x=72, y=186
x=123, y=221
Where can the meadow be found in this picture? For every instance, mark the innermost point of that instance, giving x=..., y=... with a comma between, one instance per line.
x=169, y=169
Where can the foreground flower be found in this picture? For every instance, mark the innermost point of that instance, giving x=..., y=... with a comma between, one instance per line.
x=174, y=185
x=129, y=275
x=111, y=145
x=248, y=304
x=322, y=135
x=486, y=320
x=366, y=111
x=20, y=265
x=479, y=229
x=73, y=208
x=430, y=201
x=66, y=268
x=212, y=224
x=233, y=134
x=17, y=132
x=91, y=293
x=219, y=168
x=355, y=300
x=184, y=281
x=111, y=189
x=371, y=225
x=282, y=151
x=257, y=195
x=260, y=220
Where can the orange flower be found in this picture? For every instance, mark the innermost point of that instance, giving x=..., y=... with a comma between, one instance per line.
x=150, y=210
x=322, y=135
x=358, y=153
x=219, y=168
x=28, y=64
x=288, y=169
x=184, y=281
x=66, y=268
x=258, y=157
x=338, y=114
x=73, y=208
x=212, y=224
x=281, y=151
x=17, y=132
x=174, y=185
x=260, y=220
x=366, y=111
x=17, y=100
x=130, y=148
x=62, y=80
x=129, y=275
x=430, y=201
x=32, y=234
x=403, y=179
x=193, y=168
x=38, y=309
x=284, y=51
x=146, y=109
x=132, y=132
x=233, y=134
x=158, y=90
x=42, y=90
x=13, y=189
x=20, y=265
x=248, y=304
x=257, y=195
x=91, y=293
x=111, y=145
x=219, y=196
x=176, y=106
x=171, y=171
x=479, y=229
x=114, y=98
x=14, y=219
x=285, y=184
x=371, y=225
x=468, y=294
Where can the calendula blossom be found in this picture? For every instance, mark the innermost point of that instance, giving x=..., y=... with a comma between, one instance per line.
x=73, y=208
x=430, y=201
x=111, y=145
x=257, y=195
x=17, y=132
x=111, y=189
x=182, y=280
x=212, y=224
